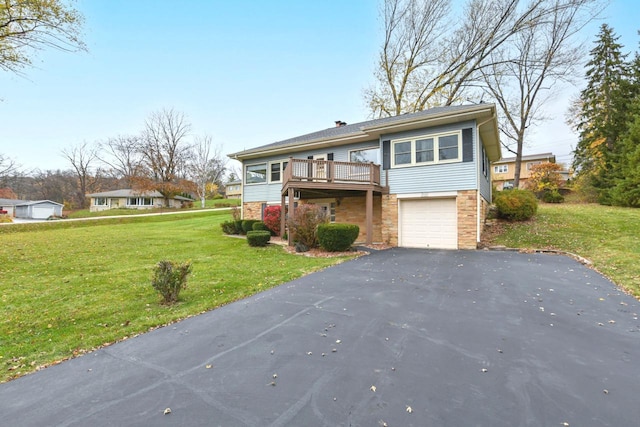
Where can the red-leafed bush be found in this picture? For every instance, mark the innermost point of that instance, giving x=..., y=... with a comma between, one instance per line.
x=271, y=218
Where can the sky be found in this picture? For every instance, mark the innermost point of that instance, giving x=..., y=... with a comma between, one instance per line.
x=245, y=72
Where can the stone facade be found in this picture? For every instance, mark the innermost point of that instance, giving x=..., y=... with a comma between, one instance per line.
x=467, y=219
x=352, y=210
x=390, y=219
x=252, y=210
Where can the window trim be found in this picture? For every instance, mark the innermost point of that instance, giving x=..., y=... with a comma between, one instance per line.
x=496, y=168
x=533, y=163
x=97, y=199
x=266, y=176
x=139, y=199
x=282, y=167
x=436, y=149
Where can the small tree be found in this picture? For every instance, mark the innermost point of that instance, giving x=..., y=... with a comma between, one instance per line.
x=544, y=177
x=304, y=223
x=272, y=219
x=169, y=279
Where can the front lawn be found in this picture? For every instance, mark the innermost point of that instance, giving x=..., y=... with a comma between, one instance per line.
x=69, y=287
x=209, y=204
x=608, y=236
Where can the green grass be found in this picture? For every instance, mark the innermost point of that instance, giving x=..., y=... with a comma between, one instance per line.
x=607, y=236
x=209, y=204
x=69, y=287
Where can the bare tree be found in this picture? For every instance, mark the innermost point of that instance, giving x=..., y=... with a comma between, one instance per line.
x=122, y=156
x=82, y=158
x=428, y=58
x=8, y=168
x=207, y=166
x=31, y=25
x=58, y=186
x=522, y=72
x=165, y=151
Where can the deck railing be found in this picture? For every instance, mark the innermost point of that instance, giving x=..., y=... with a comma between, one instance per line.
x=330, y=171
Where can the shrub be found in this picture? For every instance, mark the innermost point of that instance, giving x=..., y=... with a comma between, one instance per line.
x=516, y=204
x=337, y=237
x=5, y=218
x=247, y=225
x=229, y=227
x=258, y=237
x=304, y=223
x=218, y=197
x=272, y=218
x=238, y=225
x=170, y=278
x=553, y=196
x=260, y=226
x=236, y=213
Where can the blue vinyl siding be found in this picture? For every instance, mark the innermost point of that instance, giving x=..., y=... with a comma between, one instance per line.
x=485, y=181
x=435, y=177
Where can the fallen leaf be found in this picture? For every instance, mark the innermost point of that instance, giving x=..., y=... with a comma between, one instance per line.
x=485, y=370
x=167, y=411
x=208, y=366
x=409, y=410
x=373, y=388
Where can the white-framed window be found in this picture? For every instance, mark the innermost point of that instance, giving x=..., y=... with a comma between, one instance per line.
x=501, y=169
x=329, y=210
x=139, y=201
x=428, y=149
x=100, y=201
x=276, y=170
x=532, y=164
x=256, y=174
x=365, y=155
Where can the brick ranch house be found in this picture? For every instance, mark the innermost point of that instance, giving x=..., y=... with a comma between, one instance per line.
x=415, y=180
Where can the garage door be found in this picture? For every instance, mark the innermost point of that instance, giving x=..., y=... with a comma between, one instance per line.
x=429, y=223
x=42, y=212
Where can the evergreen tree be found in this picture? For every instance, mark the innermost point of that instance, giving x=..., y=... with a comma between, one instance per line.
x=627, y=189
x=604, y=114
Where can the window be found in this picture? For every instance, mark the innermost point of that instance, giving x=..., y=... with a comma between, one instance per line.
x=256, y=174
x=329, y=210
x=424, y=150
x=532, y=164
x=501, y=169
x=366, y=155
x=402, y=153
x=445, y=148
x=276, y=171
x=139, y=201
x=100, y=201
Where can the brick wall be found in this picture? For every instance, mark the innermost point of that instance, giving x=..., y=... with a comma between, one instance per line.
x=390, y=219
x=252, y=210
x=353, y=210
x=467, y=219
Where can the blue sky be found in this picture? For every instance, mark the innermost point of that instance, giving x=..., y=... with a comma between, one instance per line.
x=245, y=72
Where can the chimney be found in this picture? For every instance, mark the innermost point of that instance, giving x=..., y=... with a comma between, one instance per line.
x=340, y=123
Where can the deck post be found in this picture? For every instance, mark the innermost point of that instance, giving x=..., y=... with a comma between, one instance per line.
x=291, y=214
x=283, y=216
x=369, y=214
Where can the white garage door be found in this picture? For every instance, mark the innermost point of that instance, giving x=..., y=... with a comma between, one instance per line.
x=42, y=212
x=429, y=223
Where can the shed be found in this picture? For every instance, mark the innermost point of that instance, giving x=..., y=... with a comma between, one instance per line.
x=39, y=209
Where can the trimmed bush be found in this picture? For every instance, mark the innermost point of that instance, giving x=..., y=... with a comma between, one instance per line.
x=337, y=237
x=238, y=225
x=169, y=278
x=260, y=226
x=258, y=237
x=247, y=225
x=229, y=227
x=516, y=204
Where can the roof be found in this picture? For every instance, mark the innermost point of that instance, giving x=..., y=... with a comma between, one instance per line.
x=234, y=182
x=485, y=114
x=37, y=202
x=542, y=156
x=127, y=192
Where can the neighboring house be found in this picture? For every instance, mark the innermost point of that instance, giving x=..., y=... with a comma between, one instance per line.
x=233, y=190
x=414, y=180
x=27, y=209
x=503, y=170
x=132, y=199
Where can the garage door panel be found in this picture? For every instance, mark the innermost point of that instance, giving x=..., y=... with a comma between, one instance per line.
x=429, y=223
x=40, y=212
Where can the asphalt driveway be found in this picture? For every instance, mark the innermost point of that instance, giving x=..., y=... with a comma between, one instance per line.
x=398, y=338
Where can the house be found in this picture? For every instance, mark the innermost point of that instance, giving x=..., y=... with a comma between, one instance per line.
x=132, y=199
x=503, y=170
x=233, y=189
x=414, y=180
x=28, y=209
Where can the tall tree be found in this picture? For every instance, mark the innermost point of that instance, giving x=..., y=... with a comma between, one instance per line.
x=428, y=58
x=207, y=166
x=122, y=156
x=604, y=112
x=522, y=72
x=165, y=151
x=82, y=158
x=30, y=25
x=8, y=168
